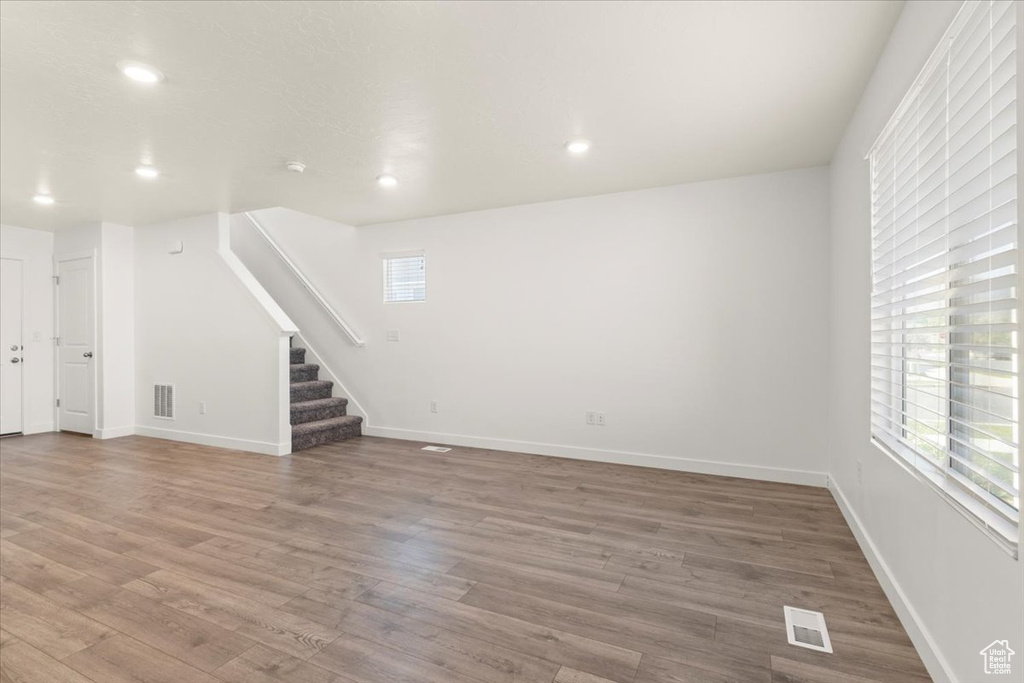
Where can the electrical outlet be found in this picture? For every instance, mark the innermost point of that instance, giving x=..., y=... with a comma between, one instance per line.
x=591, y=417
x=433, y=406
x=202, y=407
x=599, y=419
x=860, y=472
x=393, y=335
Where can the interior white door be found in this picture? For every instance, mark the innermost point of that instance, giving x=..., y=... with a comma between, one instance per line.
x=76, y=325
x=11, y=356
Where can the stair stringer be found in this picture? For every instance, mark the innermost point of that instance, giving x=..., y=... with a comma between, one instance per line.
x=278, y=320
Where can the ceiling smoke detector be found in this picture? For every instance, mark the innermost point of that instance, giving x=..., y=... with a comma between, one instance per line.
x=295, y=166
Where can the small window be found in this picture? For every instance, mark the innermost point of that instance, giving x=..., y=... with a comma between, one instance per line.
x=405, y=278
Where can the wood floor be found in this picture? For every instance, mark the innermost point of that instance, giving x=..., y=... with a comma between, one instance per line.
x=371, y=561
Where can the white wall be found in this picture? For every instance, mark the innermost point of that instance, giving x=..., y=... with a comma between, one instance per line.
x=36, y=246
x=116, y=414
x=954, y=588
x=693, y=316
x=197, y=326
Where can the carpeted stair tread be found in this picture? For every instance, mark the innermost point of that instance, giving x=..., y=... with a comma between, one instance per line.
x=304, y=372
x=308, y=391
x=330, y=423
x=320, y=403
x=316, y=416
x=318, y=409
x=309, y=434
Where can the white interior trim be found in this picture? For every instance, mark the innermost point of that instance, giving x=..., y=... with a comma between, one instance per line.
x=23, y=304
x=664, y=462
x=938, y=668
x=114, y=432
x=1020, y=212
x=284, y=394
x=275, y=314
x=996, y=527
x=295, y=270
x=409, y=253
x=38, y=428
x=264, y=447
x=96, y=293
x=941, y=48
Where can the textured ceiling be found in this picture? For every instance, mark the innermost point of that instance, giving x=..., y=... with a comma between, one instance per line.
x=467, y=103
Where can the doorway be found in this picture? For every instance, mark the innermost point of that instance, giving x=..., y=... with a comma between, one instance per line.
x=12, y=381
x=76, y=343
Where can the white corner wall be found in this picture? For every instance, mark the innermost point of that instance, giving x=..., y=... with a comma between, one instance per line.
x=116, y=331
x=954, y=589
x=693, y=316
x=36, y=248
x=199, y=327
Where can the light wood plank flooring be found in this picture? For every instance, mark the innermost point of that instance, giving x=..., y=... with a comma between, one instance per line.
x=371, y=561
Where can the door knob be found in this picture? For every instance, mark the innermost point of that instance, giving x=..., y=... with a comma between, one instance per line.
x=87, y=354
x=15, y=360
x=14, y=347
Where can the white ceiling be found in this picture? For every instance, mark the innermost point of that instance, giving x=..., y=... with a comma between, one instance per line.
x=467, y=103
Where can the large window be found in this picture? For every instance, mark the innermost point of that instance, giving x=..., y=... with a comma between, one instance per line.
x=946, y=272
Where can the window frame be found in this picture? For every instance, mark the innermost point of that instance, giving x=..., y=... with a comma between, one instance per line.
x=982, y=508
x=386, y=284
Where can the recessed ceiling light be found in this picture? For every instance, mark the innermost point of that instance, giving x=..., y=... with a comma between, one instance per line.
x=146, y=171
x=137, y=71
x=387, y=180
x=44, y=199
x=577, y=146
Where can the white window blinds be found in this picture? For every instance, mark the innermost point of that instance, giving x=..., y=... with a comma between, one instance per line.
x=405, y=278
x=945, y=271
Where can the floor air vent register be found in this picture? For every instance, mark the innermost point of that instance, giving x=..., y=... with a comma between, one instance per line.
x=805, y=628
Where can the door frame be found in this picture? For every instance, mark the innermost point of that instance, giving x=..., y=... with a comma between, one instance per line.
x=24, y=258
x=57, y=260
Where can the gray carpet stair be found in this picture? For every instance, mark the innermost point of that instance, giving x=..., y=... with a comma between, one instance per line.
x=317, y=417
x=318, y=409
x=307, y=391
x=305, y=372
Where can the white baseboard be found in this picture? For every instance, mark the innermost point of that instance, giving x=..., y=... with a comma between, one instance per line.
x=114, y=432
x=938, y=667
x=38, y=428
x=263, y=447
x=664, y=462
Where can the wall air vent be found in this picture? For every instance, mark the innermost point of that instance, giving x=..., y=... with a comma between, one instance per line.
x=805, y=628
x=163, y=401
x=435, y=449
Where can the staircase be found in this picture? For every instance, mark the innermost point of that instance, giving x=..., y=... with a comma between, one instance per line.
x=316, y=416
